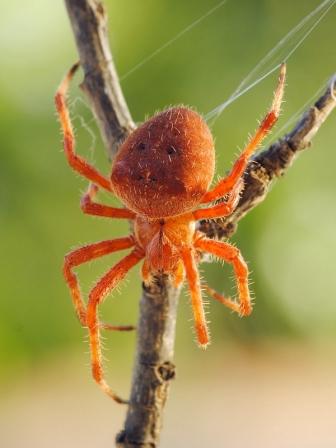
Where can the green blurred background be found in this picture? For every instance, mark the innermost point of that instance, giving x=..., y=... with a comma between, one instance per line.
x=289, y=241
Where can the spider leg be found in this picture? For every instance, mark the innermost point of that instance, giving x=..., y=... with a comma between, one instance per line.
x=234, y=306
x=196, y=296
x=232, y=255
x=83, y=255
x=224, y=208
x=146, y=273
x=225, y=185
x=90, y=207
x=178, y=274
x=96, y=296
x=76, y=162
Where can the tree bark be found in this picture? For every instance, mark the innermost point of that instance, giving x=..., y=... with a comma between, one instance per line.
x=101, y=83
x=154, y=367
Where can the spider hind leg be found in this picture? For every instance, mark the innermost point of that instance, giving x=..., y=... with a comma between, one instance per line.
x=104, y=286
x=227, y=301
x=193, y=279
x=232, y=255
x=83, y=255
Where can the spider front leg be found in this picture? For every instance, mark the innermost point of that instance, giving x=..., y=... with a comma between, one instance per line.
x=90, y=207
x=83, y=255
x=224, y=208
x=76, y=162
x=233, y=256
x=196, y=296
x=225, y=185
x=96, y=296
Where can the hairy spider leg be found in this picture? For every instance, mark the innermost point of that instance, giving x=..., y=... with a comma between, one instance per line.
x=146, y=272
x=233, y=256
x=90, y=207
x=76, y=162
x=83, y=255
x=196, y=296
x=179, y=274
x=96, y=296
x=229, y=303
x=224, y=208
x=225, y=185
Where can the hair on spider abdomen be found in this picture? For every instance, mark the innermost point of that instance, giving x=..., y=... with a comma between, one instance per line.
x=165, y=166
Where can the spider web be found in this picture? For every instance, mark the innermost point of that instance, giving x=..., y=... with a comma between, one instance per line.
x=172, y=40
x=282, y=51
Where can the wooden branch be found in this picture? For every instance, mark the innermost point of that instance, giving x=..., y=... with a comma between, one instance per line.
x=101, y=84
x=154, y=366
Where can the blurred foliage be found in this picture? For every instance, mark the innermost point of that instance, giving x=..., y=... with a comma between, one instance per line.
x=289, y=240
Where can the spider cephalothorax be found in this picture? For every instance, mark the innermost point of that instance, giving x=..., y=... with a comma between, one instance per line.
x=162, y=173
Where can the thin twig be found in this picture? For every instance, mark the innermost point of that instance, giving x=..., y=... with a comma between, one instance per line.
x=154, y=366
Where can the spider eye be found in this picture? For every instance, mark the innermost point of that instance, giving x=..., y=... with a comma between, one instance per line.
x=171, y=150
x=141, y=146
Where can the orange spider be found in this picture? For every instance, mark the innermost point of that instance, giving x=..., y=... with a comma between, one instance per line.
x=162, y=173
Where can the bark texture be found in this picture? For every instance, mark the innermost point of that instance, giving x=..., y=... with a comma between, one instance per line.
x=154, y=367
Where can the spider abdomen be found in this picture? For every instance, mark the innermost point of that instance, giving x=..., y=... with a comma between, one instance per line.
x=165, y=166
